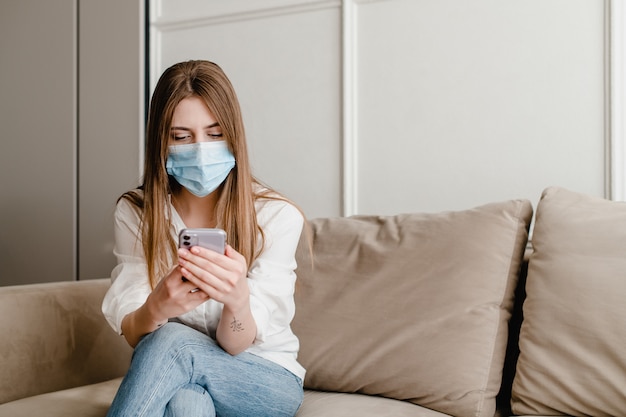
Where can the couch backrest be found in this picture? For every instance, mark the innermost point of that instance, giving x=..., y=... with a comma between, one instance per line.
x=54, y=337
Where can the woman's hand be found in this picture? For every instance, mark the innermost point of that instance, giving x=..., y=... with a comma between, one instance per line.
x=174, y=296
x=170, y=298
x=224, y=279
x=221, y=277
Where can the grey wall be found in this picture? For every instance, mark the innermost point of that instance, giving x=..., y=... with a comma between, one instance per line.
x=71, y=77
x=111, y=122
x=38, y=119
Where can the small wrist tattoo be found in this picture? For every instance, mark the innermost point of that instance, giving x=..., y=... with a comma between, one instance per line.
x=236, y=325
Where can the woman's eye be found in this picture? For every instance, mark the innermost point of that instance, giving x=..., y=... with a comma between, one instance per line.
x=180, y=137
x=214, y=135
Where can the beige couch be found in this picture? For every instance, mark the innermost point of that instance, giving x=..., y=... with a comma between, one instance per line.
x=407, y=315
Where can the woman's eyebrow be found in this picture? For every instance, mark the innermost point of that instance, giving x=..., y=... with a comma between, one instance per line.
x=188, y=129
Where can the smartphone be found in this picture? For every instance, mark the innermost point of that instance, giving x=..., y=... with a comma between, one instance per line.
x=213, y=239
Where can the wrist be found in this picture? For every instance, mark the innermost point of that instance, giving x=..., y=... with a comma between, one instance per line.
x=152, y=313
x=238, y=308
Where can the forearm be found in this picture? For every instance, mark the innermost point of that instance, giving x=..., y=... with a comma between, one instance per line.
x=139, y=323
x=236, y=331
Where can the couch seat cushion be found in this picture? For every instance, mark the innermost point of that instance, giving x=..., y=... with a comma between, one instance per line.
x=413, y=307
x=86, y=401
x=333, y=404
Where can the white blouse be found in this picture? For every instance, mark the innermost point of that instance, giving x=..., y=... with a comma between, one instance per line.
x=271, y=279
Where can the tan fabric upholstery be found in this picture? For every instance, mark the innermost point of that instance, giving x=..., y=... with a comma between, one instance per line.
x=58, y=338
x=332, y=404
x=85, y=401
x=412, y=307
x=573, y=337
x=94, y=400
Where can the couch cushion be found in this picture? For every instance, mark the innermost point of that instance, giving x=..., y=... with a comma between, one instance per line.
x=333, y=404
x=413, y=307
x=86, y=401
x=59, y=338
x=573, y=336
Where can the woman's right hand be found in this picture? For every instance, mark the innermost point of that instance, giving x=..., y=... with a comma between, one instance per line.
x=172, y=297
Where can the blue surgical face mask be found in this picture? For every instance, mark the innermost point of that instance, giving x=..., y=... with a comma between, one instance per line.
x=200, y=167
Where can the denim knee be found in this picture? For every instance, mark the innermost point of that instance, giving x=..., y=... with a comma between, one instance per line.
x=190, y=400
x=170, y=337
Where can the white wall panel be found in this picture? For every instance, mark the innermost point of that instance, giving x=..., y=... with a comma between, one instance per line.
x=284, y=66
x=618, y=100
x=462, y=103
x=196, y=11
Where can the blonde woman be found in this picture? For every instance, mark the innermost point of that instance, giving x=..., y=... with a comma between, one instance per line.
x=211, y=331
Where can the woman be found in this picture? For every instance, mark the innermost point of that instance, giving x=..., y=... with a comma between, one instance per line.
x=211, y=331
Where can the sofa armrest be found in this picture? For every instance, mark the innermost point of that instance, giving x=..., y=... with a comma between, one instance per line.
x=55, y=337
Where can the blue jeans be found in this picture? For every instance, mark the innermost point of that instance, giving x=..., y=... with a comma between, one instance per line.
x=177, y=371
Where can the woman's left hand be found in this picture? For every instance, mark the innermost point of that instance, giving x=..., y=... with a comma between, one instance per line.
x=221, y=277
x=224, y=279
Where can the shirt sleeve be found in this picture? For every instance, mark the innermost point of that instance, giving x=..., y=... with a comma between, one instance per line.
x=130, y=285
x=272, y=276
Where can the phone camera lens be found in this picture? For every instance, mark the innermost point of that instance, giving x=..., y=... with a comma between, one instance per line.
x=186, y=237
x=186, y=243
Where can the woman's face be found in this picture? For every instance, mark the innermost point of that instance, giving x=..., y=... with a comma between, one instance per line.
x=193, y=122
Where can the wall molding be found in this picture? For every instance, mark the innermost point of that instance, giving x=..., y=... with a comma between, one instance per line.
x=258, y=11
x=228, y=13
x=616, y=131
x=349, y=103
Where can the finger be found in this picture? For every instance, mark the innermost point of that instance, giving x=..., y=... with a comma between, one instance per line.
x=198, y=294
x=231, y=253
x=210, y=256
x=223, y=274
x=201, y=267
x=198, y=277
x=201, y=252
x=189, y=287
x=179, y=283
x=219, y=265
x=214, y=287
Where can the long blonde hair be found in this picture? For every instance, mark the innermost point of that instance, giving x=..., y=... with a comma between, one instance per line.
x=235, y=208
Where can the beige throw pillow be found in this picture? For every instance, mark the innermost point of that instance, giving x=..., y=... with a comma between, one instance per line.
x=413, y=307
x=573, y=337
